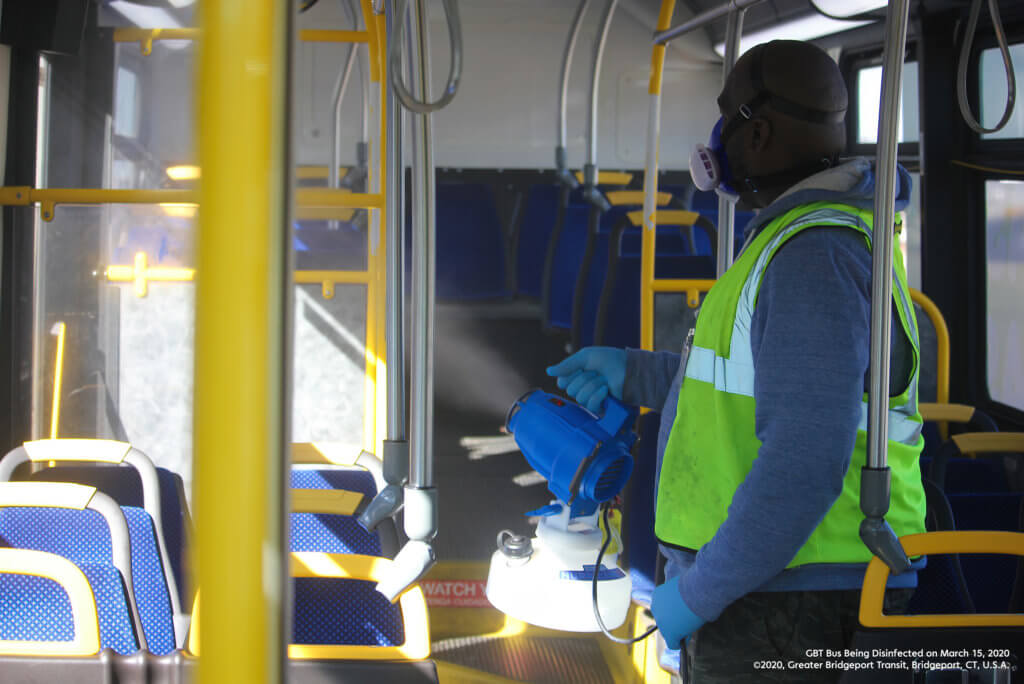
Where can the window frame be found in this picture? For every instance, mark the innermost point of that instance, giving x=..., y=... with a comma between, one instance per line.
x=908, y=153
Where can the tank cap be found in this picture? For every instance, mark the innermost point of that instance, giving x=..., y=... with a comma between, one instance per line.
x=514, y=545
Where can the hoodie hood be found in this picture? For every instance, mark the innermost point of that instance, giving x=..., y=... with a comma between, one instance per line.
x=852, y=183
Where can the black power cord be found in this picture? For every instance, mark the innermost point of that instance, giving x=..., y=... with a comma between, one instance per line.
x=605, y=508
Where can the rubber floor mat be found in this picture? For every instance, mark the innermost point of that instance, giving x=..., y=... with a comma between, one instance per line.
x=539, y=660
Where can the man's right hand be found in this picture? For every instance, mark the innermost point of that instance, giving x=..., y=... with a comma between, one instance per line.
x=591, y=374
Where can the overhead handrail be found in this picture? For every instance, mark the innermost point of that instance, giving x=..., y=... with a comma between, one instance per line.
x=561, y=159
x=875, y=532
x=451, y=11
x=340, y=86
x=590, y=174
x=706, y=17
x=965, y=56
x=145, y=37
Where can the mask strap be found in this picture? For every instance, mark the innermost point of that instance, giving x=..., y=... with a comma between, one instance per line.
x=788, y=177
x=745, y=112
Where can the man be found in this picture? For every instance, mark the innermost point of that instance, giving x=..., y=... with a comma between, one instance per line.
x=763, y=422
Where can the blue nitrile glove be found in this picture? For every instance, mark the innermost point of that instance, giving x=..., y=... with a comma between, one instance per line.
x=675, y=619
x=589, y=375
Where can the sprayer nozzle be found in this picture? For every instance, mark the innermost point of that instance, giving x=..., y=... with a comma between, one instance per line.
x=411, y=563
x=387, y=502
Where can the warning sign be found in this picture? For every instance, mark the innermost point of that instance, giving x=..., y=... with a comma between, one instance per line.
x=455, y=593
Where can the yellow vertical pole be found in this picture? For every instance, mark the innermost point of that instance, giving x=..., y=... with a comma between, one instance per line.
x=241, y=285
x=649, y=233
x=380, y=258
x=60, y=330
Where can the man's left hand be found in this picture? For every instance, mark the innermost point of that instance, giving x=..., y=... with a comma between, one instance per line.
x=675, y=619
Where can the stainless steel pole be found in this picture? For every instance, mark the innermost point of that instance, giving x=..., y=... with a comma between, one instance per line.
x=563, y=91
x=875, y=532
x=595, y=81
x=395, y=449
x=702, y=19
x=421, y=471
x=340, y=86
x=727, y=209
x=881, y=263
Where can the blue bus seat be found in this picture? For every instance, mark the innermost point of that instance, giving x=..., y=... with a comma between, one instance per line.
x=996, y=452
x=566, y=262
x=538, y=220
x=35, y=608
x=991, y=578
x=95, y=541
x=332, y=610
x=941, y=585
x=130, y=478
x=470, y=244
x=330, y=533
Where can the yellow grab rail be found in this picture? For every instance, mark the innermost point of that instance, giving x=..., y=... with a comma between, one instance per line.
x=146, y=37
x=323, y=199
x=141, y=274
x=60, y=330
x=651, y=181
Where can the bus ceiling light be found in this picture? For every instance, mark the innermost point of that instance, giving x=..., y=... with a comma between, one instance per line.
x=844, y=9
x=805, y=28
x=548, y=581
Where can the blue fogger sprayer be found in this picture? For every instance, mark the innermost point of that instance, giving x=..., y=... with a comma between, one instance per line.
x=549, y=580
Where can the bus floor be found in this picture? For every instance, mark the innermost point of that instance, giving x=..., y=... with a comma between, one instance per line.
x=486, y=357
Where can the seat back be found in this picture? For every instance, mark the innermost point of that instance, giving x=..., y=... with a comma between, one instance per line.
x=48, y=606
x=85, y=454
x=87, y=528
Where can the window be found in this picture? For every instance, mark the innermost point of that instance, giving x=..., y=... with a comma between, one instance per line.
x=992, y=83
x=910, y=238
x=869, y=89
x=126, y=104
x=1004, y=230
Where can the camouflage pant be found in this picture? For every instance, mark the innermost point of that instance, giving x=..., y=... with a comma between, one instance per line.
x=763, y=631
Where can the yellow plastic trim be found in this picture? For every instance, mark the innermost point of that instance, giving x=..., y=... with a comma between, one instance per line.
x=240, y=306
x=619, y=198
x=665, y=217
x=61, y=329
x=350, y=566
x=988, y=442
x=325, y=453
x=326, y=501
x=942, y=343
x=958, y=413
x=609, y=177
x=102, y=450
x=657, y=69
x=86, y=639
x=46, y=494
x=188, y=172
x=323, y=36
x=872, y=595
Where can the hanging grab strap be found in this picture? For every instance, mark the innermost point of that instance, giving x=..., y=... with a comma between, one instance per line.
x=451, y=11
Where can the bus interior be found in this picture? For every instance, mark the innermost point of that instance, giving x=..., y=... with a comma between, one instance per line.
x=277, y=276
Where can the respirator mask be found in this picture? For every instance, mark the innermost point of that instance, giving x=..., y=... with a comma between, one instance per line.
x=709, y=166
